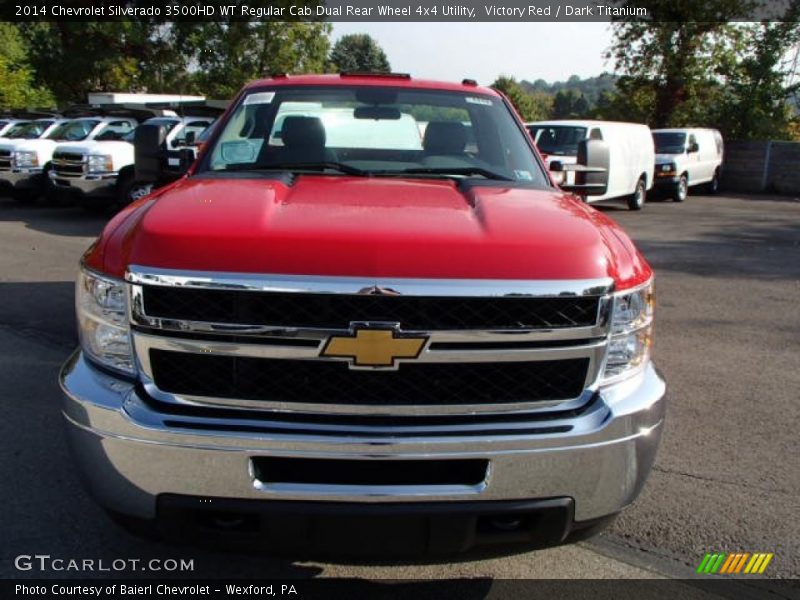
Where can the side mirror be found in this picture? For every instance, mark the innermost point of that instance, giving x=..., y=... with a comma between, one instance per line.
x=191, y=138
x=694, y=147
x=147, y=152
x=591, y=171
x=595, y=155
x=556, y=166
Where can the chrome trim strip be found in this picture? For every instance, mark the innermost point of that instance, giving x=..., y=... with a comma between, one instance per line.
x=258, y=332
x=144, y=343
x=313, y=284
x=374, y=491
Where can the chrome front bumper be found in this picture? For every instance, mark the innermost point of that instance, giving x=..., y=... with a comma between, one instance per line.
x=23, y=179
x=88, y=185
x=130, y=454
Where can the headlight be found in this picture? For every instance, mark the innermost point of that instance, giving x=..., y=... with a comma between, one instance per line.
x=102, y=308
x=100, y=163
x=631, y=332
x=25, y=159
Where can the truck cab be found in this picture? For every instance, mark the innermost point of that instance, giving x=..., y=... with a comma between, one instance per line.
x=354, y=344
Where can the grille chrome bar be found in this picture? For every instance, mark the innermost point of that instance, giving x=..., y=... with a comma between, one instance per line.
x=496, y=288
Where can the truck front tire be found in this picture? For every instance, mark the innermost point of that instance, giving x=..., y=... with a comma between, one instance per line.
x=637, y=199
x=129, y=190
x=681, y=189
x=712, y=187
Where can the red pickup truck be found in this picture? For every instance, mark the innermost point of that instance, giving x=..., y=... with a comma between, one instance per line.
x=365, y=321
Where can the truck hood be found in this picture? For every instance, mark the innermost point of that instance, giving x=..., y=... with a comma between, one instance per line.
x=92, y=147
x=368, y=227
x=39, y=145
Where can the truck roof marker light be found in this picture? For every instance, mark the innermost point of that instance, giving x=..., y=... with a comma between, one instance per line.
x=469, y=82
x=374, y=74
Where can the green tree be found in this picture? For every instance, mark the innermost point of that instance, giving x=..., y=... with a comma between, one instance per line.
x=17, y=87
x=228, y=54
x=674, y=54
x=358, y=52
x=564, y=104
x=75, y=58
x=581, y=106
x=531, y=106
x=757, y=100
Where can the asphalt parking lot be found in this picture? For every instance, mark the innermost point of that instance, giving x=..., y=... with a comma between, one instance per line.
x=727, y=340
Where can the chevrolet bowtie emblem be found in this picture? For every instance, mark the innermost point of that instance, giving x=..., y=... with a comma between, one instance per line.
x=374, y=347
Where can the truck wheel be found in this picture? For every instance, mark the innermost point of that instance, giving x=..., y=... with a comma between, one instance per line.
x=712, y=187
x=636, y=201
x=23, y=196
x=681, y=190
x=129, y=190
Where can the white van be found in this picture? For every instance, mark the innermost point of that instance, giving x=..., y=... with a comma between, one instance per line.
x=631, y=154
x=686, y=158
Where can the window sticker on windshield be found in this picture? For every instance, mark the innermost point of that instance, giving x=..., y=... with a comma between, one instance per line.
x=477, y=100
x=260, y=98
x=523, y=175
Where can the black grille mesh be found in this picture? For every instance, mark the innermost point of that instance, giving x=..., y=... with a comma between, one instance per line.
x=329, y=382
x=336, y=311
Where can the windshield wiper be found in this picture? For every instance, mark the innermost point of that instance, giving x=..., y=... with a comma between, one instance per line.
x=488, y=174
x=332, y=166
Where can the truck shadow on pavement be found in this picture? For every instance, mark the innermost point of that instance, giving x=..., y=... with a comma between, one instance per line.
x=762, y=251
x=55, y=220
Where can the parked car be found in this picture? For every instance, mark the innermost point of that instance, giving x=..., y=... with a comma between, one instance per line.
x=24, y=159
x=631, y=154
x=407, y=348
x=687, y=158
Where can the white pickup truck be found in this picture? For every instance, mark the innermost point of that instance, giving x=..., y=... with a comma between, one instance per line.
x=25, y=153
x=99, y=170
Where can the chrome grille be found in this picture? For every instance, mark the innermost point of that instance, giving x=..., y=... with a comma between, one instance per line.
x=5, y=160
x=257, y=342
x=68, y=164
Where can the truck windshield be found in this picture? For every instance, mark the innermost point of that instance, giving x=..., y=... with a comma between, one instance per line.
x=28, y=131
x=669, y=143
x=75, y=131
x=561, y=140
x=167, y=124
x=376, y=131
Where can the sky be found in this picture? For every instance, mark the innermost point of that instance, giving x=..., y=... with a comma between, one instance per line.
x=483, y=51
